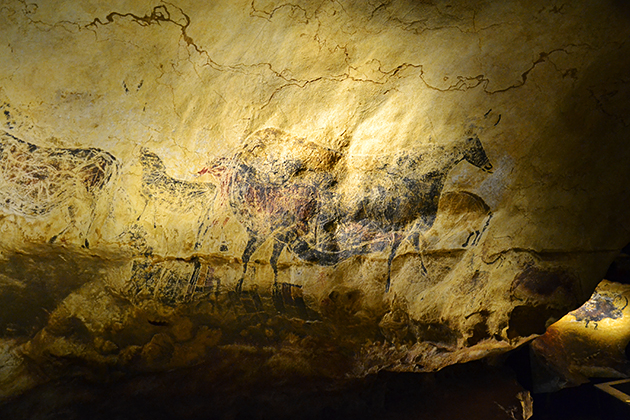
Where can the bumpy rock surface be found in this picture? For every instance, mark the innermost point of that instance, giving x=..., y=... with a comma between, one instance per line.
x=329, y=188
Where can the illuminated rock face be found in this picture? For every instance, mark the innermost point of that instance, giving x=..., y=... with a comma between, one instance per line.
x=587, y=342
x=335, y=187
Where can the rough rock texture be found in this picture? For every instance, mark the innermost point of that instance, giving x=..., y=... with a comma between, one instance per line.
x=330, y=187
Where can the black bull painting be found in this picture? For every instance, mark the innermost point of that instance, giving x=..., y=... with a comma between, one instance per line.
x=305, y=205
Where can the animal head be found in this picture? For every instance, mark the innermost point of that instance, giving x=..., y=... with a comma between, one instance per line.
x=218, y=168
x=151, y=161
x=474, y=153
x=99, y=168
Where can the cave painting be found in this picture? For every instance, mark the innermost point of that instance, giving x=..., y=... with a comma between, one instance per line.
x=293, y=191
x=174, y=282
x=601, y=306
x=34, y=180
x=161, y=190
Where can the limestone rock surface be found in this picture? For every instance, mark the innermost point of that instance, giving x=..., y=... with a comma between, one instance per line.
x=329, y=188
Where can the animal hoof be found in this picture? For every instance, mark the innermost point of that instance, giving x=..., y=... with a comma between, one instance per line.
x=239, y=286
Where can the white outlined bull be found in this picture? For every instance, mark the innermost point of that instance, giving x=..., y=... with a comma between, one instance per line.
x=36, y=180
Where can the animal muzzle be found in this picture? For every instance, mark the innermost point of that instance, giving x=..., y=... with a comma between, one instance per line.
x=476, y=156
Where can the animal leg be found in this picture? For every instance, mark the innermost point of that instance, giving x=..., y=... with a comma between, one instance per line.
x=416, y=236
x=105, y=196
x=72, y=223
x=277, y=297
x=483, y=229
x=288, y=237
x=415, y=239
x=424, y=269
x=252, y=245
x=146, y=203
x=92, y=220
x=395, y=244
x=154, y=207
x=278, y=246
x=54, y=238
x=204, y=226
x=86, y=244
x=144, y=209
x=470, y=235
x=477, y=236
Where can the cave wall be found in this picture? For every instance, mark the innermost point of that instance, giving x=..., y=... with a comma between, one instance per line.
x=329, y=187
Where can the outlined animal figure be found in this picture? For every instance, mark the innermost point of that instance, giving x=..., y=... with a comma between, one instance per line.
x=274, y=187
x=325, y=216
x=599, y=307
x=163, y=191
x=461, y=220
x=35, y=180
x=394, y=201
